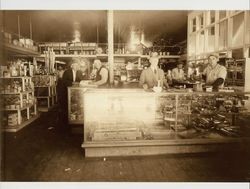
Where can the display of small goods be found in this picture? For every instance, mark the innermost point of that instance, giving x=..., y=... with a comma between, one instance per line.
x=17, y=68
x=235, y=72
x=218, y=113
x=12, y=119
x=16, y=85
x=15, y=102
x=208, y=113
x=43, y=80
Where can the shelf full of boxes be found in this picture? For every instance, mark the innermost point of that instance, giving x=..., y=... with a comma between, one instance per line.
x=18, y=100
x=226, y=33
x=128, y=63
x=18, y=103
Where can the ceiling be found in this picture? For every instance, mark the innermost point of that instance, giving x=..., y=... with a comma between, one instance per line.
x=58, y=25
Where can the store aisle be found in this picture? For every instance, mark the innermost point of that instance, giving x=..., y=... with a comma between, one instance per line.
x=40, y=153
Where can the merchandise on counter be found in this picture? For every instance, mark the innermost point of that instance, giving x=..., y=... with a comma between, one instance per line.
x=178, y=127
x=226, y=89
x=230, y=131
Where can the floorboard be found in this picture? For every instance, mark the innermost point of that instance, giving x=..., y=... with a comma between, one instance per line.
x=42, y=152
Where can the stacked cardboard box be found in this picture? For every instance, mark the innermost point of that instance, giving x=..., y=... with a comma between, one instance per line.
x=12, y=119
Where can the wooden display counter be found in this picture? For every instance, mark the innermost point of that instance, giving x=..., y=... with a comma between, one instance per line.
x=134, y=122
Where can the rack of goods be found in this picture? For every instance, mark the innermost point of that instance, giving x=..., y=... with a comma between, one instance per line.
x=236, y=73
x=135, y=122
x=63, y=48
x=45, y=91
x=19, y=105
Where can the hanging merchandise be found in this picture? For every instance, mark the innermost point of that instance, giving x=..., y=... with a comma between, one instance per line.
x=46, y=59
x=51, y=61
x=35, y=70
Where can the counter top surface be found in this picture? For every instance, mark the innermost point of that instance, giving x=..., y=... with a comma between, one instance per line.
x=150, y=91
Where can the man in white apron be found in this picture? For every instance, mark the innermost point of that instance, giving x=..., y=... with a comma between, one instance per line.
x=214, y=74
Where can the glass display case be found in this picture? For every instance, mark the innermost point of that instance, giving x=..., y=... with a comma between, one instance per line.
x=131, y=117
x=75, y=105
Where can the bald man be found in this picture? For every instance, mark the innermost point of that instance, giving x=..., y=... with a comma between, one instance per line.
x=102, y=74
x=150, y=77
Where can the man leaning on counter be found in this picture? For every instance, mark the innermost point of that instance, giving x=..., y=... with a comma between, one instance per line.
x=101, y=75
x=214, y=74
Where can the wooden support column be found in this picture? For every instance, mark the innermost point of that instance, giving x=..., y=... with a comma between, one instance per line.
x=18, y=27
x=111, y=45
x=31, y=29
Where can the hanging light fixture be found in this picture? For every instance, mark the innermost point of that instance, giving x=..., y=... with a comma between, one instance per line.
x=76, y=32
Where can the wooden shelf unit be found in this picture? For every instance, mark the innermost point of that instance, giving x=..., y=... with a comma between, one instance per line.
x=30, y=106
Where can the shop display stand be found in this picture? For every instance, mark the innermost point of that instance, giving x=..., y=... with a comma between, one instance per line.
x=29, y=108
x=45, y=93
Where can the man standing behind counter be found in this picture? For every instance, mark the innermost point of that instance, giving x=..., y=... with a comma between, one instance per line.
x=153, y=75
x=102, y=74
x=178, y=74
x=214, y=74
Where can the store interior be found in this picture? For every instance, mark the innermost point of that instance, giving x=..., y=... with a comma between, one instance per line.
x=178, y=130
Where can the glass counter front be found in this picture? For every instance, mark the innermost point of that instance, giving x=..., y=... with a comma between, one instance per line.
x=75, y=105
x=128, y=115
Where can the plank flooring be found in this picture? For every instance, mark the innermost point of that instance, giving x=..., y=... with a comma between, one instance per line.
x=37, y=153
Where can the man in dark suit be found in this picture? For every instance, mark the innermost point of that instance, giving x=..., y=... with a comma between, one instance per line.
x=70, y=76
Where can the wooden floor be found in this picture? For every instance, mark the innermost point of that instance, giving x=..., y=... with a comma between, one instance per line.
x=40, y=153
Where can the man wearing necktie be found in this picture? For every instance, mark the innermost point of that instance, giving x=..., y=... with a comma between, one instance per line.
x=153, y=75
x=73, y=74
